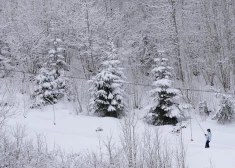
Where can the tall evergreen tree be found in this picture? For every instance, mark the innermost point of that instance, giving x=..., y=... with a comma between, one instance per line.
x=50, y=83
x=106, y=89
x=161, y=111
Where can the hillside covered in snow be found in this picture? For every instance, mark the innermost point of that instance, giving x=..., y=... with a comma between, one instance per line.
x=116, y=83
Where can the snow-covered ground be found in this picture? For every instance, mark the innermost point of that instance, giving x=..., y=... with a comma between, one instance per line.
x=221, y=153
x=78, y=133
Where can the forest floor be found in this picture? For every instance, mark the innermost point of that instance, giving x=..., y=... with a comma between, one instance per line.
x=78, y=133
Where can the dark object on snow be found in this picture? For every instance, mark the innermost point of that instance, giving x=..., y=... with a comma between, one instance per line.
x=99, y=129
x=176, y=130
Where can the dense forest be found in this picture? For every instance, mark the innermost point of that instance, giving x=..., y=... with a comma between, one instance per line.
x=196, y=36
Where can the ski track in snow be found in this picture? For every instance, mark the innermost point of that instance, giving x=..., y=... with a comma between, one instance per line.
x=78, y=133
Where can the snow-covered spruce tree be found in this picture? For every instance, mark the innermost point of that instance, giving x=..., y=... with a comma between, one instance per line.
x=161, y=111
x=226, y=111
x=50, y=83
x=106, y=89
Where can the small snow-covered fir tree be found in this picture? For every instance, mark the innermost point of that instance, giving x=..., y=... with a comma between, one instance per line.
x=106, y=89
x=50, y=83
x=161, y=112
x=226, y=111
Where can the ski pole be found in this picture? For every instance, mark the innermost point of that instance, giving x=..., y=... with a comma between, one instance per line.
x=199, y=124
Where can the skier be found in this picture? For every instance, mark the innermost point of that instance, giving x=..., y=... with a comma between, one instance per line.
x=208, y=138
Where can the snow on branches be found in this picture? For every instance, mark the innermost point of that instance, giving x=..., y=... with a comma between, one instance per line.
x=106, y=89
x=161, y=112
x=50, y=83
x=226, y=111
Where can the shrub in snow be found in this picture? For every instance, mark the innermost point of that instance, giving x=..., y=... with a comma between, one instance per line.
x=16, y=151
x=179, y=126
x=203, y=109
x=161, y=112
x=107, y=88
x=226, y=111
x=50, y=84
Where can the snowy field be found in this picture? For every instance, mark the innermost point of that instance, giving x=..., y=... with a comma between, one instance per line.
x=78, y=133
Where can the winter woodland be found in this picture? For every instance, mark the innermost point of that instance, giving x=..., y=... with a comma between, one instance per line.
x=111, y=58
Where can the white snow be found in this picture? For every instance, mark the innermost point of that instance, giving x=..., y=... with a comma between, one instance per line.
x=111, y=108
x=79, y=132
x=222, y=148
x=73, y=133
x=163, y=82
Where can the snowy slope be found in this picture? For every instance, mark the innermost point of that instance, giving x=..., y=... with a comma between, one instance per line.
x=78, y=133
x=221, y=153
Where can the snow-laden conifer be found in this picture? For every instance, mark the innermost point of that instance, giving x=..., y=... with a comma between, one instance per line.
x=226, y=111
x=106, y=89
x=163, y=93
x=50, y=83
